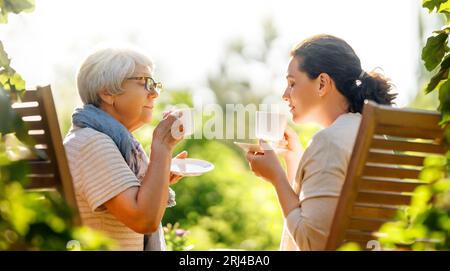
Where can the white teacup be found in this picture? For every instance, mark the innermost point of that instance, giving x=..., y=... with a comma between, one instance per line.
x=185, y=118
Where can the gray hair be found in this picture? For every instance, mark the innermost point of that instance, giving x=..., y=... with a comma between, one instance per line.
x=107, y=69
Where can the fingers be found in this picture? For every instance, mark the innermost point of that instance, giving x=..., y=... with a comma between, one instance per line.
x=249, y=156
x=289, y=132
x=283, y=143
x=177, y=128
x=174, y=178
x=182, y=155
x=171, y=123
x=266, y=147
x=168, y=121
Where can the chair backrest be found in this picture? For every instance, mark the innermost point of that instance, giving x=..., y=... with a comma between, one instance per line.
x=49, y=169
x=383, y=170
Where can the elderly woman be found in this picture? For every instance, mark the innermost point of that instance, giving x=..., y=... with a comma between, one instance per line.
x=118, y=190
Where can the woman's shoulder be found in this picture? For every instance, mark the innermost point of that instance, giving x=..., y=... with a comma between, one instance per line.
x=340, y=135
x=80, y=137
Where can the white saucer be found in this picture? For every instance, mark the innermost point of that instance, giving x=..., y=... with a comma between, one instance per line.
x=257, y=148
x=190, y=167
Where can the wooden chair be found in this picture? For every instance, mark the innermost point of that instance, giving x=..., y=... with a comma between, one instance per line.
x=383, y=171
x=49, y=168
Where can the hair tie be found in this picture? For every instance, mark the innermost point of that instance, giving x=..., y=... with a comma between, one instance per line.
x=360, y=78
x=361, y=75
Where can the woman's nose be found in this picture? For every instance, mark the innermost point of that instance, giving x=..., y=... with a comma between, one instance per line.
x=286, y=94
x=153, y=94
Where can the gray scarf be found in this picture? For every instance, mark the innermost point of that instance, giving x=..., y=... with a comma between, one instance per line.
x=93, y=117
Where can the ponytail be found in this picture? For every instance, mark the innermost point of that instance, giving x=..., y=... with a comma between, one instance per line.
x=372, y=86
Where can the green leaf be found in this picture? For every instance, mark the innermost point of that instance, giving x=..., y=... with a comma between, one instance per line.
x=444, y=7
x=430, y=175
x=434, y=50
x=6, y=114
x=445, y=30
x=442, y=185
x=446, y=62
x=18, y=82
x=436, y=79
x=4, y=60
x=444, y=97
x=17, y=6
x=3, y=17
x=432, y=4
x=435, y=161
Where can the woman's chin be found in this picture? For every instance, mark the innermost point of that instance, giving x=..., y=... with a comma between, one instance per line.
x=297, y=118
x=147, y=118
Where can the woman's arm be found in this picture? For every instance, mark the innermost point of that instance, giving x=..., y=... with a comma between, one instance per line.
x=286, y=196
x=310, y=225
x=267, y=166
x=142, y=208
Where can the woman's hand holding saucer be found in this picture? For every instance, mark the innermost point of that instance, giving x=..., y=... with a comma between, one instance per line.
x=174, y=178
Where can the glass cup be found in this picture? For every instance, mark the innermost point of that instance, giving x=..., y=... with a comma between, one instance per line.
x=270, y=126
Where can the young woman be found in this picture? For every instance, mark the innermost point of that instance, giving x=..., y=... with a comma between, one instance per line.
x=325, y=85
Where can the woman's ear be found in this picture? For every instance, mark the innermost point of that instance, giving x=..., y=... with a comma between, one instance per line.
x=324, y=84
x=106, y=97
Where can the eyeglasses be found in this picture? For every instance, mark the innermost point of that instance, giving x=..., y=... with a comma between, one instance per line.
x=150, y=84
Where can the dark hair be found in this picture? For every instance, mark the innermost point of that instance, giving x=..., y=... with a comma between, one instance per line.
x=333, y=56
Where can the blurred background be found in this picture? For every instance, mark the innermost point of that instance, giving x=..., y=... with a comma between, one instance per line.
x=221, y=52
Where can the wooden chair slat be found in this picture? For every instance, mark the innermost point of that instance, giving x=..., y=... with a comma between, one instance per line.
x=372, y=212
x=391, y=172
x=42, y=181
x=367, y=224
x=366, y=196
x=360, y=235
x=41, y=167
x=34, y=125
x=28, y=111
x=397, y=159
x=411, y=118
x=389, y=185
x=29, y=96
x=40, y=138
x=397, y=145
x=409, y=132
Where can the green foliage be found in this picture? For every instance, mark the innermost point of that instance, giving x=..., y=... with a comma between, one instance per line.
x=436, y=53
x=434, y=50
x=176, y=238
x=14, y=6
x=351, y=246
x=36, y=221
x=30, y=220
x=431, y=5
x=425, y=223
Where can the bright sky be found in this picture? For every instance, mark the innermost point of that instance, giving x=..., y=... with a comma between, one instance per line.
x=186, y=39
